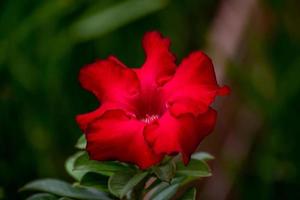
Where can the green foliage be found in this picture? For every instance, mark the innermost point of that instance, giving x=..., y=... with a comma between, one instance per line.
x=166, y=190
x=167, y=193
x=95, y=180
x=69, y=166
x=122, y=182
x=196, y=168
x=133, y=182
x=81, y=142
x=83, y=163
x=64, y=189
x=42, y=196
x=166, y=171
x=202, y=156
x=102, y=180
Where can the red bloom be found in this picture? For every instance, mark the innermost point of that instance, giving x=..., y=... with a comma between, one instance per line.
x=149, y=112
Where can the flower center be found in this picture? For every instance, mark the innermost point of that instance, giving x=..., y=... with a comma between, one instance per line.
x=150, y=105
x=149, y=118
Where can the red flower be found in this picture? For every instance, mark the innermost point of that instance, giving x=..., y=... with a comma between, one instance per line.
x=149, y=112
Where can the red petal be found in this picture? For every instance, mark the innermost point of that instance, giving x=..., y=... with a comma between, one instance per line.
x=193, y=87
x=115, y=86
x=159, y=66
x=180, y=134
x=84, y=119
x=110, y=80
x=116, y=136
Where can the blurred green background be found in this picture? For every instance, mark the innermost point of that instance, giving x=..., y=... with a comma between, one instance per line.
x=43, y=44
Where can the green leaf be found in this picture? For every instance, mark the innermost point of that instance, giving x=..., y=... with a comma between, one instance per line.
x=42, y=196
x=95, y=180
x=64, y=189
x=166, y=172
x=196, y=168
x=69, y=166
x=167, y=193
x=165, y=190
x=202, y=156
x=190, y=194
x=122, y=182
x=114, y=17
x=81, y=142
x=107, y=168
x=135, y=180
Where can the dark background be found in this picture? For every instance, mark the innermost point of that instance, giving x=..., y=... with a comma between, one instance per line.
x=255, y=46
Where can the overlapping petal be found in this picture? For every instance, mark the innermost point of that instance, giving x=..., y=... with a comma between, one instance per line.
x=115, y=86
x=160, y=65
x=117, y=136
x=84, y=119
x=194, y=87
x=181, y=134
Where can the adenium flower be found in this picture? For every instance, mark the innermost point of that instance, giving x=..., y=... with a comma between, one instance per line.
x=149, y=112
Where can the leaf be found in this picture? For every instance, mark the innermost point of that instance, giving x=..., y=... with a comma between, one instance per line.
x=196, y=168
x=64, y=189
x=190, y=194
x=69, y=166
x=95, y=180
x=114, y=17
x=135, y=180
x=165, y=190
x=167, y=193
x=122, y=182
x=81, y=142
x=202, y=156
x=166, y=172
x=42, y=196
x=107, y=168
